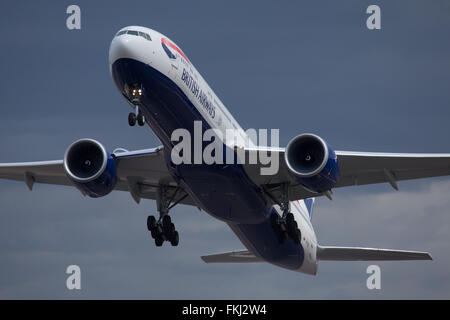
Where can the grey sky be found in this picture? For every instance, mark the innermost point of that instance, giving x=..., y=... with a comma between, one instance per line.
x=309, y=66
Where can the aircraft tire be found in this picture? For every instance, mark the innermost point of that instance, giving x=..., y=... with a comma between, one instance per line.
x=167, y=224
x=131, y=119
x=298, y=236
x=175, y=239
x=159, y=241
x=140, y=119
x=151, y=223
x=290, y=219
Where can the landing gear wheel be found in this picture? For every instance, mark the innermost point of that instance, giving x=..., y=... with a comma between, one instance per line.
x=282, y=236
x=276, y=225
x=159, y=241
x=132, y=119
x=289, y=219
x=292, y=229
x=163, y=229
x=166, y=221
x=151, y=223
x=298, y=236
x=140, y=119
x=169, y=228
x=291, y=226
x=175, y=239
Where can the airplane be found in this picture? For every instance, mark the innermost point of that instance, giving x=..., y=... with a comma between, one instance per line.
x=270, y=214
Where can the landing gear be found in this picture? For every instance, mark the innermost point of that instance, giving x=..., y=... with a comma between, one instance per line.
x=292, y=228
x=136, y=116
x=163, y=229
x=135, y=92
x=285, y=227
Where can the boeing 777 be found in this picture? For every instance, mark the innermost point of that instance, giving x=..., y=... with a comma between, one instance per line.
x=270, y=213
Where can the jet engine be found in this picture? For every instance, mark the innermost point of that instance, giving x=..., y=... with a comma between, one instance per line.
x=90, y=167
x=312, y=162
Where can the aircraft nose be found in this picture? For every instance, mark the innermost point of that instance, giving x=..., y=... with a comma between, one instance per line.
x=120, y=48
x=126, y=46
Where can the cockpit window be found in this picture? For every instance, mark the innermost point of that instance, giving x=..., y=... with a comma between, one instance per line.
x=135, y=33
x=145, y=36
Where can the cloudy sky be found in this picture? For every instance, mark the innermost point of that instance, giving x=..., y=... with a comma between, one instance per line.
x=312, y=66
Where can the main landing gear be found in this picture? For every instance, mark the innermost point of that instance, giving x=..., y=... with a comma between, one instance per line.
x=163, y=229
x=285, y=226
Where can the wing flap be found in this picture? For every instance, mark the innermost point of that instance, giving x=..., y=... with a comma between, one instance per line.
x=232, y=257
x=325, y=253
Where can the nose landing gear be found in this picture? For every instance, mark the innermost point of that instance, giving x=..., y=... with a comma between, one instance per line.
x=135, y=92
x=136, y=116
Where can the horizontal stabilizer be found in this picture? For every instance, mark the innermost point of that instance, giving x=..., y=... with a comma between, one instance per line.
x=368, y=254
x=231, y=257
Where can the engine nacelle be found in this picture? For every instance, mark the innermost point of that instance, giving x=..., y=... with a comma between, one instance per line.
x=90, y=167
x=312, y=162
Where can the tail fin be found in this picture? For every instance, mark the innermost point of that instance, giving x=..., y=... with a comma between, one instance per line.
x=309, y=203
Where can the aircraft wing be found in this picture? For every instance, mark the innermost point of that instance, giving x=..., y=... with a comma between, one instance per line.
x=356, y=168
x=138, y=172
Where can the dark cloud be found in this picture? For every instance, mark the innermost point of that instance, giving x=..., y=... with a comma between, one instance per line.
x=300, y=67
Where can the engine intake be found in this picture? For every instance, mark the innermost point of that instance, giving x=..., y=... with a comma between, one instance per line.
x=312, y=162
x=90, y=167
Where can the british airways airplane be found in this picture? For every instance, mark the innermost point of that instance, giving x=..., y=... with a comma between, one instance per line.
x=270, y=214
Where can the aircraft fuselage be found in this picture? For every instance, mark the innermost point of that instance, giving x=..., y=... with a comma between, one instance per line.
x=175, y=96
